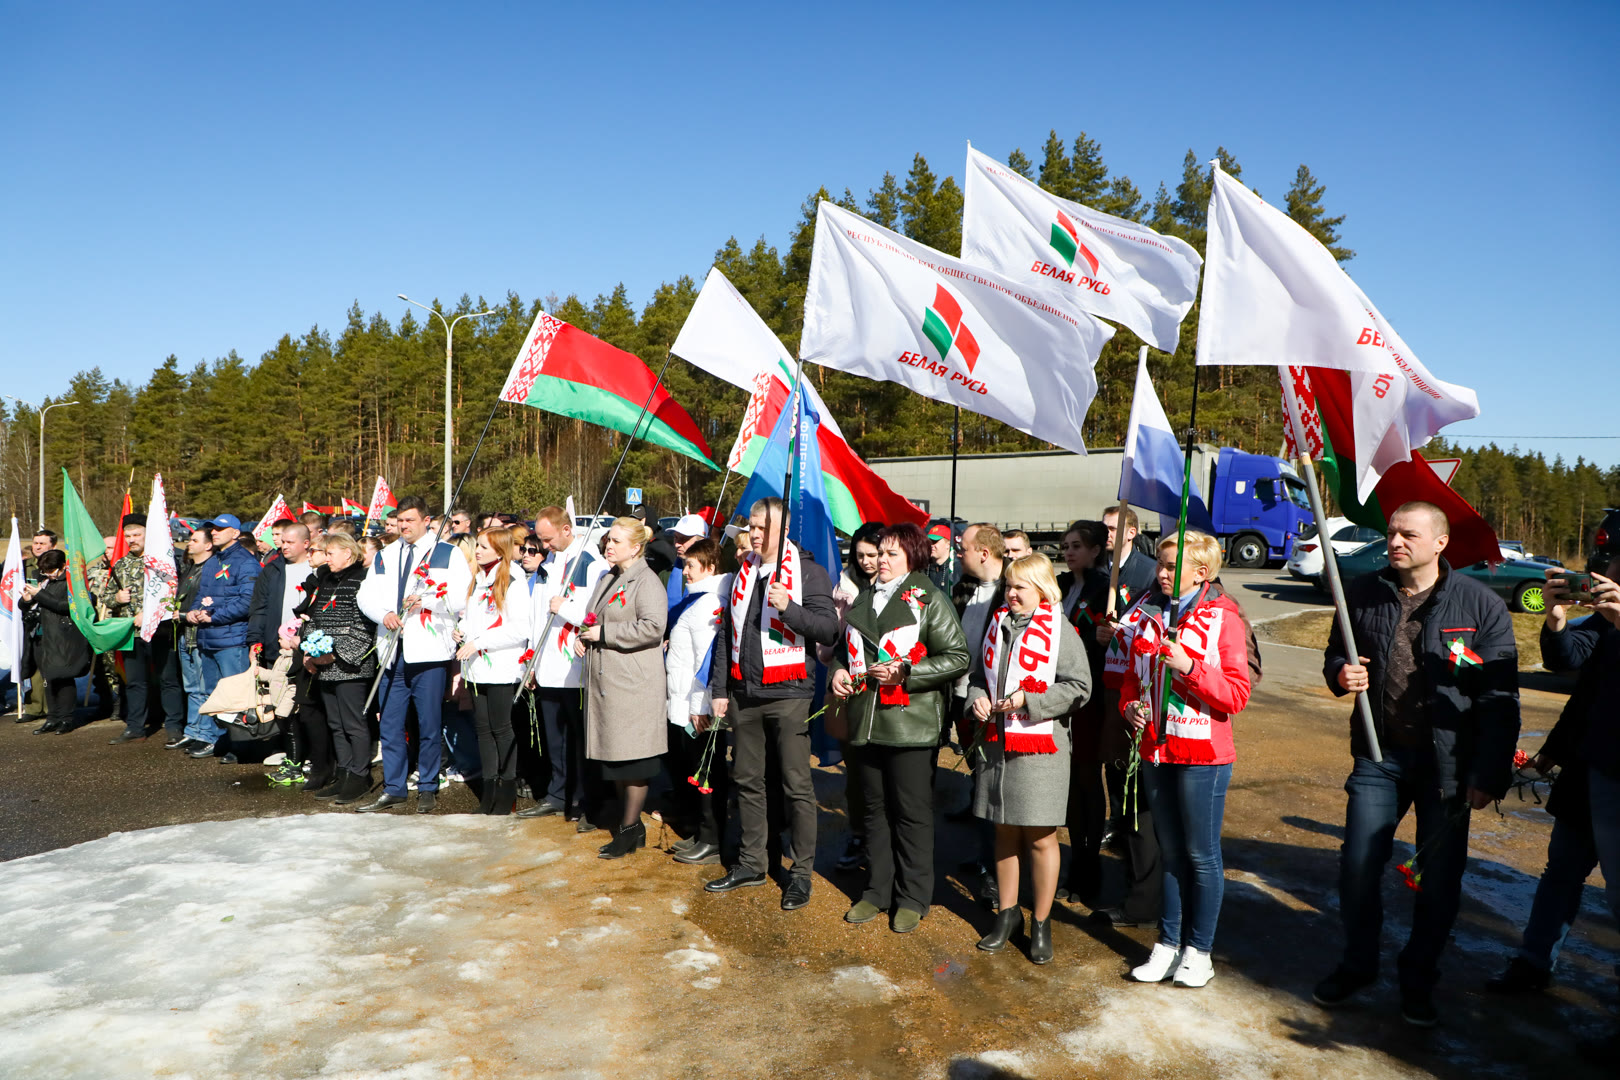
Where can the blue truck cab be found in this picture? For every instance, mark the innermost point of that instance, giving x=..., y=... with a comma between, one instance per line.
x=1259, y=506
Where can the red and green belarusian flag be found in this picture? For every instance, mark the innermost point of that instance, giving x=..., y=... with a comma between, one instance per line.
x=1325, y=405
x=83, y=545
x=725, y=336
x=564, y=370
x=1462, y=656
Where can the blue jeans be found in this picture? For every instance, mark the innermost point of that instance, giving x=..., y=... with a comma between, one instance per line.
x=1380, y=795
x=191, y=682
x=403, y=684
x=216, y=664
x=461, y=740
x=1571, y=855
x=1188, y=804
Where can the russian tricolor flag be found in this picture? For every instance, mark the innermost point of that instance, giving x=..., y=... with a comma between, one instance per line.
x=1154, y=465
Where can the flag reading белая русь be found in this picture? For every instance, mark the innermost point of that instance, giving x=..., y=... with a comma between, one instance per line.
x=1118, y=270
x=1155, y=463
x=11, y=628
x=1274, y=295
x=886, y=307
x=562, y=369
x=725, y=336
x=83, y=545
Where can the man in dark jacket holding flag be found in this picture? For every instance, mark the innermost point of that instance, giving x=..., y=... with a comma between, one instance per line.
x=1442, y=668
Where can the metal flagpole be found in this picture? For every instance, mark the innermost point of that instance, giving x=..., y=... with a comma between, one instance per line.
x=1181, y=547
x=787, y=479
x=956, y=443
x=438, y=534
x=1119, y=528
x=1330, y=562
x=590, y=530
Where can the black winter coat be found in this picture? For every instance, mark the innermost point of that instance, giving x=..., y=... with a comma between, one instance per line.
x=1473, y=710
x=815, y=619
x=264, y=610
x=333, y=606
x=63, y=651
x=1588, y=731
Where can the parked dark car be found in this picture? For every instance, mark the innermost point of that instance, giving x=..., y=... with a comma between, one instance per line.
x=1518, y=581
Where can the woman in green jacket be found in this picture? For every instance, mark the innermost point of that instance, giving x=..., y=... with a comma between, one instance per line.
x=902, y=650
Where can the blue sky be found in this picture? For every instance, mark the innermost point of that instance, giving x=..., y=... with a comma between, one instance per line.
x=193, y=179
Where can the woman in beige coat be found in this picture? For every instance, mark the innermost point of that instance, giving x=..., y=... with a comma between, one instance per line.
x=626, y=732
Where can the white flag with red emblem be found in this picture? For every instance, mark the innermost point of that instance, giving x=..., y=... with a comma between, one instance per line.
x=886, y=307
x=1116, y=269
x=160, y=578
x=11, y=632
x=278, y=511
x=1274, y=295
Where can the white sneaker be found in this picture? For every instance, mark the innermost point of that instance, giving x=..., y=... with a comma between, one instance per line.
x=1196, y=968
x=410, y=781
x=451, y=776
x=275, y=759
x=1159, y=964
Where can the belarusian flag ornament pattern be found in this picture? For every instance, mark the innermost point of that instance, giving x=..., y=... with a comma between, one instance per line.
x=943, y=326
x=1462, y=656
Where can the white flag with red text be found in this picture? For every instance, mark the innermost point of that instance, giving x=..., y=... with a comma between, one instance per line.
x=11, y=627
x=1116, y=269
x=1274, y=295
x=886, y=307
x=160, y=578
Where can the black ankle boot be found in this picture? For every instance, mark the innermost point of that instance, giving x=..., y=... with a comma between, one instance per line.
x=503, y=797
x=317, y=783
x=628, y=839
x=485, y=790
x=355, y=786
x=1008, y=922
x=333, y=786
x=1040, y=940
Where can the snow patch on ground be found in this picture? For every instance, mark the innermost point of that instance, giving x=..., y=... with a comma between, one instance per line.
x=864, y=982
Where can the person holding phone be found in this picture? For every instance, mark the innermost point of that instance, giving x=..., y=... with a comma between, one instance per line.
x=1585, y=799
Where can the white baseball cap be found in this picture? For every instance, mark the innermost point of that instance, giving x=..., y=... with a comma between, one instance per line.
x=691, y=525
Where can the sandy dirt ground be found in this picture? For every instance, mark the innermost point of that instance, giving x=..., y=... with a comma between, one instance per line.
x=499, y=948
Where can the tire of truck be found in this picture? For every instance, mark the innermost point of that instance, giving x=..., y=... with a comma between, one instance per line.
x=1248, y=551
x=1530, y=598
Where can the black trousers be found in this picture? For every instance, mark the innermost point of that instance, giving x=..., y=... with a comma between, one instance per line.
x=1144, y=868
x=854, y=792
x=61, y=698
x=899, y=825
x=351, y=734
x=571, y=784
x=150, y=662
x=752, y=721
x=492, y=720
x=1086, y=819
x=314, y=738
x=705, y=813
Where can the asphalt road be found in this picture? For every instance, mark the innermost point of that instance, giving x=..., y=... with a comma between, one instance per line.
x=1267, y=594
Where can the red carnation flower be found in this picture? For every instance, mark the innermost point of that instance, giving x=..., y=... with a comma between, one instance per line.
x=591, y=619
x=1520, y=759
x=1032, y=685
x=917, y=653
x=1411, y=876
x=1143, y=647
x=526, y=657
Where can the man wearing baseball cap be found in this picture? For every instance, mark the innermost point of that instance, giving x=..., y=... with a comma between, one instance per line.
x=219, y=611
x=683, y=534
x=942, y=570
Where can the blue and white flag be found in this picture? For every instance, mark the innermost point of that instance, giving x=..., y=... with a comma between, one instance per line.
x=810, y=523
x=1150, y=477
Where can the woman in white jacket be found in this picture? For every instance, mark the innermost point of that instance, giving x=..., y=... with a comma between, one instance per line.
x=692, y=627
x=493, y=632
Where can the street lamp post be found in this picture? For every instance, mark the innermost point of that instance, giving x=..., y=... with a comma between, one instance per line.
x=42, y=412
x=449, y=423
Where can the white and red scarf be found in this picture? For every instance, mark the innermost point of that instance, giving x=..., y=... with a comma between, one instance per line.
x=901, y=643
x=1032, y=668
x=1135, y=660
x=784, y=654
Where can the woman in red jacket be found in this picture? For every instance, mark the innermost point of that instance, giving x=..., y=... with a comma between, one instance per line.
x=1186, y=746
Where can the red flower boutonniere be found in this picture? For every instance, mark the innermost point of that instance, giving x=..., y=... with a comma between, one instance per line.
x=1032, y=685
x=914, y=595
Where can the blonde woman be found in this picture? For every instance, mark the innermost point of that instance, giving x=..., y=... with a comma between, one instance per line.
x=1029, y=671
x=626, y=732
x=1186, y=754
x=493, y=632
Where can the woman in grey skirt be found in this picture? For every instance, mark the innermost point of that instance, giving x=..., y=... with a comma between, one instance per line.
x=1028, y=674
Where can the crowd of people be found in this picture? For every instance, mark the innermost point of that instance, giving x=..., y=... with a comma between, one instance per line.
x=572, y=672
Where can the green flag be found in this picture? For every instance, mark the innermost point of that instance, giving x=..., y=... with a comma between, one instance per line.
x=84, y=546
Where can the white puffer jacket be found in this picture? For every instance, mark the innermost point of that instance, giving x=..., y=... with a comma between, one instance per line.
x=501, y=633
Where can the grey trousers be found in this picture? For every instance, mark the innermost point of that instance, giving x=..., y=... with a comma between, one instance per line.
x=785, y=722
